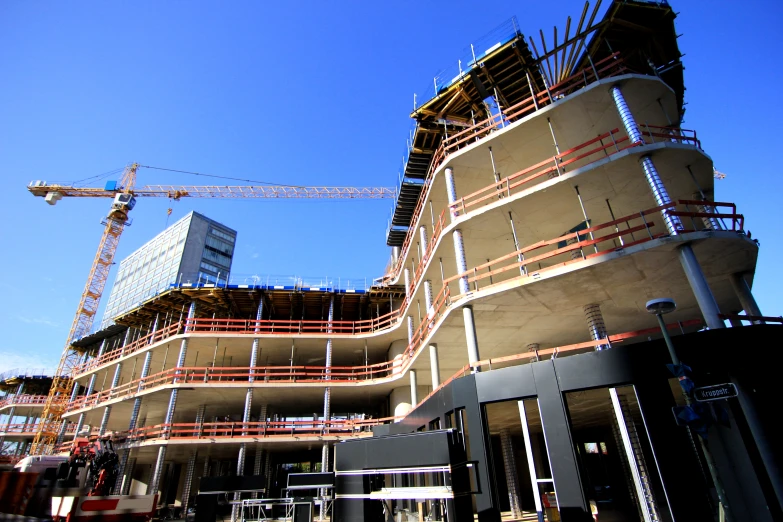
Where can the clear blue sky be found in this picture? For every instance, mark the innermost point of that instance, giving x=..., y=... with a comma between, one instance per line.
x=302, y=93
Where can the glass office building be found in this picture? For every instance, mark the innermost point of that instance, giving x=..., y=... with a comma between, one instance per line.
x=192, y=249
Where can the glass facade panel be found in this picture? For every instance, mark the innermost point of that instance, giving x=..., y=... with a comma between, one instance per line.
x=156, y=265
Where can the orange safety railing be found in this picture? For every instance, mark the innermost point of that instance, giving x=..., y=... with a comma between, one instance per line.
x=262, y=429
x=32, y=427
x=210, y=375
x=138, y=344
x=23, y=400
x=582, y=241
x=10, y=460
x=556, y=351
x=546, y=251
x=608, y=67
x=598, y=148
x=751, y=318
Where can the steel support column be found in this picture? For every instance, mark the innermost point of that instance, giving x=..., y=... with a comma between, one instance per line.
x=673, y=224
x=90, y=388
x=328, y=397
x=645, y=497
x=510, y=466
x=698, y=283
x=242, y=456
x=187, y=486
x=158, y=470
x=107, y=411
x=696, y=279
x=745, y=297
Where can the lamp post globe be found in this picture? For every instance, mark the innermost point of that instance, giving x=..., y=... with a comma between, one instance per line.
x=661, y=306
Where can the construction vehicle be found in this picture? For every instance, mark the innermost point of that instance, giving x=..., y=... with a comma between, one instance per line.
x=84, y=483
x=77, y=487
x=123, y=194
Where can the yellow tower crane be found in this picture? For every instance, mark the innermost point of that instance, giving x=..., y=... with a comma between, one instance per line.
x=124, y=196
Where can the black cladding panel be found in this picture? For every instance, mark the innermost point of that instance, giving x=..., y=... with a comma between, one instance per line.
x=429, y=448
x=232, y=483
x=310, y=480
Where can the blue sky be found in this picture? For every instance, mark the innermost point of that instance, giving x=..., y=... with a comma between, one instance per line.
x=305, y=93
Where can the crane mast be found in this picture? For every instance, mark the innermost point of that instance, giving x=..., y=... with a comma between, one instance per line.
x=62, y=384
x=124, y=195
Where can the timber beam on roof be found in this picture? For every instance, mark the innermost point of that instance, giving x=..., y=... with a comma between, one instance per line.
x=243, y=303
x=642, y=33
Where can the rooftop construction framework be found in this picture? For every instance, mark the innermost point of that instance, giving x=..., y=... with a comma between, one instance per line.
x=549, y=192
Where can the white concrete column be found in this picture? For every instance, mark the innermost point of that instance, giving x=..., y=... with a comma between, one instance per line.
x=414, y=389
x=434, y=366
x=428, y=296
x=471, y=337
x=424, y=241
x=406, y=275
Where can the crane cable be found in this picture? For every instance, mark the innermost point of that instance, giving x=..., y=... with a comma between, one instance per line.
x=223, y=177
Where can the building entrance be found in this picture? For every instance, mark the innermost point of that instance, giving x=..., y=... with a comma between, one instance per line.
x=616, y=464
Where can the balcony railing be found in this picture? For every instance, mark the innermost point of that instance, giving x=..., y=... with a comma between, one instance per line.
x=586, y=244
x=608, y=67
x=587, y=153
x=263, y=429
x=548, y=254
x=23, y=400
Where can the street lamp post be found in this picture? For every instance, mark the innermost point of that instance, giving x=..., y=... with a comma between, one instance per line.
x=658, y=307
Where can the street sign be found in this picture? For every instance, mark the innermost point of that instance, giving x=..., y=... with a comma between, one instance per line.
x=714, y=393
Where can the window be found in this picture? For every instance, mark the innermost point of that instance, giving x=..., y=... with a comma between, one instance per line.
x=210, y=267
x=219, y=245
x=219, y=233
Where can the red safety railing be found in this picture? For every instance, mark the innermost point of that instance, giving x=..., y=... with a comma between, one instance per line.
x=23, y=400
x=752, y=318
x=134, y=346
x=333, y=375
x=262, y=429
x=584, y=154
x=10, y=460
x=608, y=67
x=32, y=428
x=545, y=254
x=576, y=246
x=557, y=351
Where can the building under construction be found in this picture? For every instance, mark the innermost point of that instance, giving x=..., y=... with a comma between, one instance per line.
x=549, y=193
